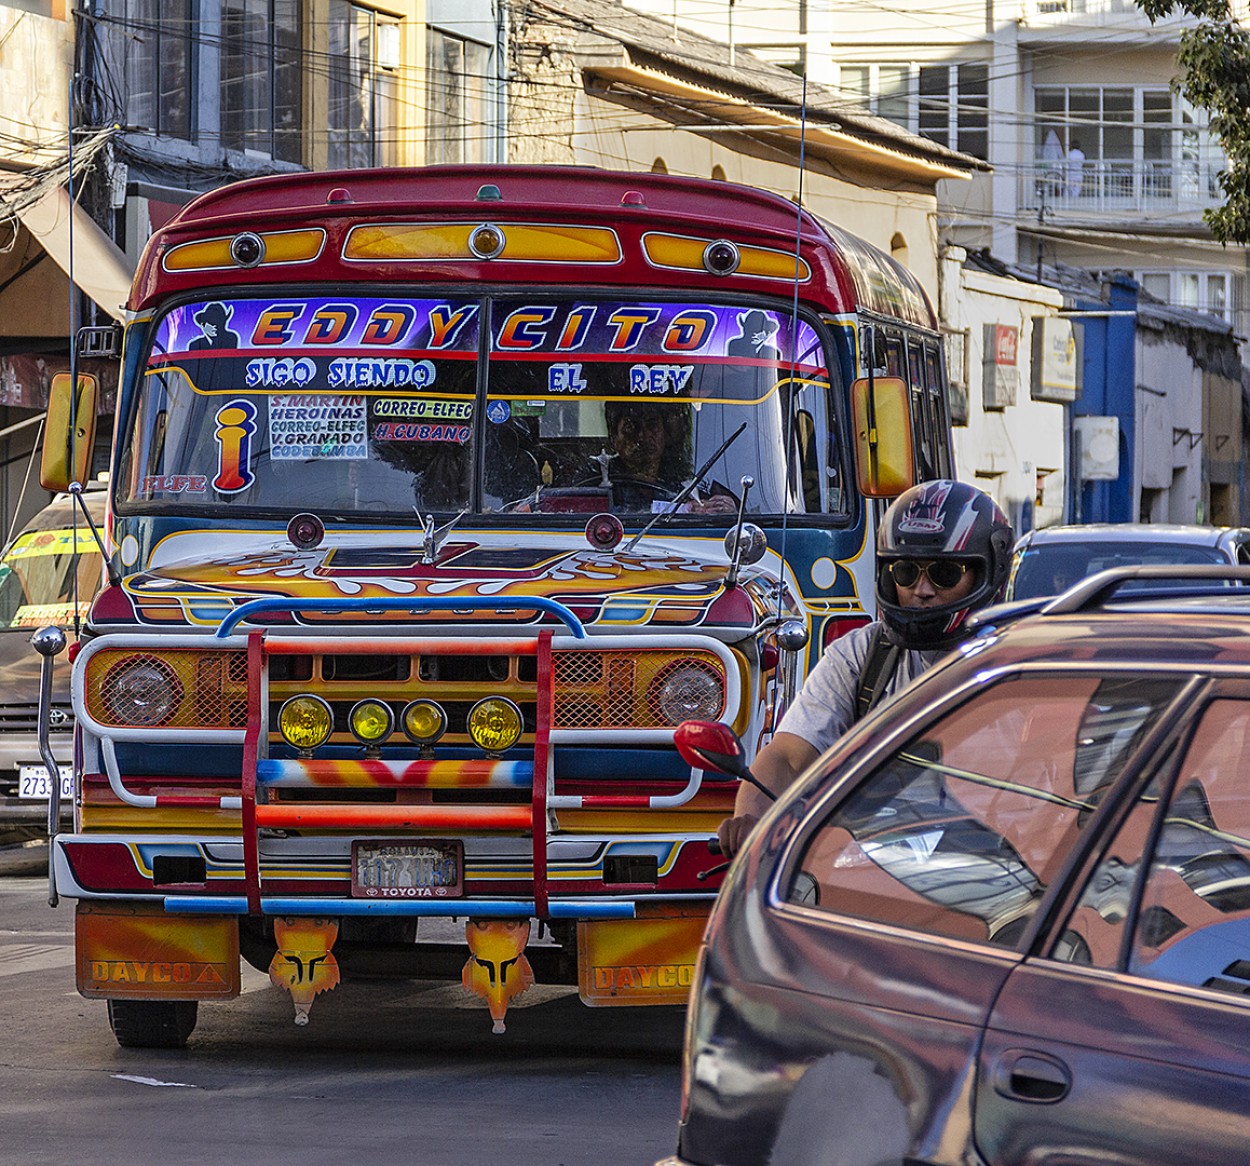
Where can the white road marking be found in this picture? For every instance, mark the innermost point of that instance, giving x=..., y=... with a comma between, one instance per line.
x=152, y=1081
x=16, y=958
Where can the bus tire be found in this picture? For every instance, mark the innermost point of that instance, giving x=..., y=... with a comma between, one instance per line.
x=152, y=1024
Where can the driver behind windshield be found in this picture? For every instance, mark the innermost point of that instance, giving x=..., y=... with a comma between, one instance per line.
x=650, y=446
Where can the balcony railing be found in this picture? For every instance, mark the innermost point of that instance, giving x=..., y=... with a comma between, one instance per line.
x=1113, y=186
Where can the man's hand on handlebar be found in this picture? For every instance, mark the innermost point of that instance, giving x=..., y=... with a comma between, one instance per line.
x=732, y=833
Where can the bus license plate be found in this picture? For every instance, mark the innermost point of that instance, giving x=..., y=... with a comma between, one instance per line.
x=33, y=784
x=420, y=868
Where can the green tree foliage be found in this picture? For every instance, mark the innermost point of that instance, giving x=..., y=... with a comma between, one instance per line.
x=1214, y=58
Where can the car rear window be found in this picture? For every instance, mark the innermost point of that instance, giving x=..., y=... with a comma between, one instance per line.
x=1048, y=570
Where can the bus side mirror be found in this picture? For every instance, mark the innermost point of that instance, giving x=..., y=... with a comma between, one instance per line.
x=69, y=432
x=885, y=458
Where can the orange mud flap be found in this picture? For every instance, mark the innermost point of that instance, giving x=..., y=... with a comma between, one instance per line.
x=303, y=964
x=497, y=970
x=138, y=951
x=648, y=960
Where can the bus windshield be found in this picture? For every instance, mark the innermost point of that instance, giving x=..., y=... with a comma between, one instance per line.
x=546, y=404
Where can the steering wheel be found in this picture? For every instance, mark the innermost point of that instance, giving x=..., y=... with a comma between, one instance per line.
x=625, y=486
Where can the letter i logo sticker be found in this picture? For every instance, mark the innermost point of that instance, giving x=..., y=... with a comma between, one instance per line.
x=236, y=423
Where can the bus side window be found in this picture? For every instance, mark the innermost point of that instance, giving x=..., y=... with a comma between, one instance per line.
x=922, y=418
x=935, y=400
x=893, y=356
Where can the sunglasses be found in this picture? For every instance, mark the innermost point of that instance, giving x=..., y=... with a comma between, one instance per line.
x=942, y=573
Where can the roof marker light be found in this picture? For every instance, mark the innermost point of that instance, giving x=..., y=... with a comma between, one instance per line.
x=721, y=257
x=633, y=198
x=486, y=241
x=489, y=192
x=247, y=249
x=338, y=194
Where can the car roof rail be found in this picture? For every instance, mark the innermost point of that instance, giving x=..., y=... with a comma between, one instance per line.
x=1091, y=593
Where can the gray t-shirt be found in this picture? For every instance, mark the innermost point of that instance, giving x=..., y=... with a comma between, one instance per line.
x=825, y=708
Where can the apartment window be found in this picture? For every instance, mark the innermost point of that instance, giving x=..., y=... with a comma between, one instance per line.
x=260, y=78
x=1127, y=141
x=953, y=107
x=459, y=124
x=363, y=59
x=947, y=103
x=1206, y=291
x=158, y=66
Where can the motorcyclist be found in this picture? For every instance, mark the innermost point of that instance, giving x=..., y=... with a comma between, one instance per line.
x=943, y=552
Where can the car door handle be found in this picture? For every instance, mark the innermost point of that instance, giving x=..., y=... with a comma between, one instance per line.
x=1024, y=1075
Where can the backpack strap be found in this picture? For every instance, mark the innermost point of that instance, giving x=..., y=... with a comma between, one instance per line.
x=878, y=668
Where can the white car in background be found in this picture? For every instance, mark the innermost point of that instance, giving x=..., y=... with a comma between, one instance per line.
x=1050, y=560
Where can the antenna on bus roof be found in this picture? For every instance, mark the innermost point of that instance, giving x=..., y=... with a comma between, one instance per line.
x=73, y=366
x=792, y=395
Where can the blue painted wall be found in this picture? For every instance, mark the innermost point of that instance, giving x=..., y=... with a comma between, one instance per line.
x=1109, y=390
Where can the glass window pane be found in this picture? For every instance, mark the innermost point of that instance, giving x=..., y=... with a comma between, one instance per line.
x=973, y=110
x=934, y=111
x=962, y=830
x=1194, y=923
x=260, y=77
x=157, y=66
x=1157, y=120
x=853, y=81
x=477, y=119
x=1117, y=134
x=1217, y=294
x=893, y=82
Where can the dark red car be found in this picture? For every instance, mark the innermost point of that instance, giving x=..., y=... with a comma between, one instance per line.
x=1006, y=921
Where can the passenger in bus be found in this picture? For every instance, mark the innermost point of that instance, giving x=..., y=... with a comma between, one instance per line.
x=943, y=552
x=651, y=462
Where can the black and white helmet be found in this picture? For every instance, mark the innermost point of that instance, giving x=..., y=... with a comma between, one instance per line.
x=941, y=520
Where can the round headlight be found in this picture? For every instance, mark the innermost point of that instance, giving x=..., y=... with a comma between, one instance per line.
x=371, y=721
x=494, y=724
x=305, y=722
x=141, y=690
x=424, y=722
x=686, y=691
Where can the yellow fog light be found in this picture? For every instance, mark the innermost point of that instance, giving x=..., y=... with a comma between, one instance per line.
x=494, y=724
x=305, y=722
x=424, y=722
x=371, y=721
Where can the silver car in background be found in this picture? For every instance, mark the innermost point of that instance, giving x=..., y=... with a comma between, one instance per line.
x=1050, y=560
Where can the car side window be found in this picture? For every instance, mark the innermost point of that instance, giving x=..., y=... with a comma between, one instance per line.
x=960, y=832
x=1193, y=922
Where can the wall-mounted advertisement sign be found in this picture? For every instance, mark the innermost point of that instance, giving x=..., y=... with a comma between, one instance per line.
x=1001, y=375
x=1056, y=360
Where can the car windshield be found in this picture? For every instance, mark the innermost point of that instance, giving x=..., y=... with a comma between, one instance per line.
x=37, y=577
x=547, y=404
x=1050, y=569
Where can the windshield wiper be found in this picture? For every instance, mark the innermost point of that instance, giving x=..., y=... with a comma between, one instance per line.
x=689, y=488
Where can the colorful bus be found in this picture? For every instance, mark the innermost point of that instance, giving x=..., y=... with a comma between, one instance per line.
x=439, y=497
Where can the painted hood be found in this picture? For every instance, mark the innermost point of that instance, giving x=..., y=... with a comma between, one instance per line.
x=198, y=578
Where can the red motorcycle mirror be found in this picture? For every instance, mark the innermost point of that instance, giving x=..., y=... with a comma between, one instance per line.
x=711, y=745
